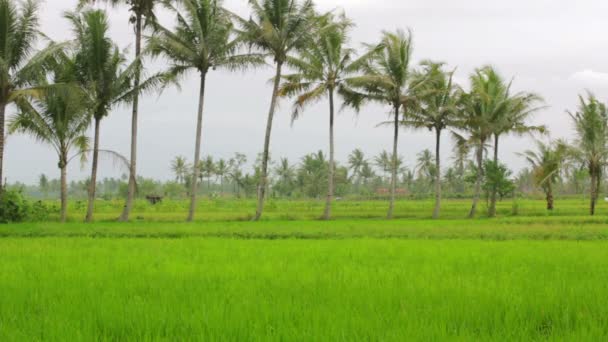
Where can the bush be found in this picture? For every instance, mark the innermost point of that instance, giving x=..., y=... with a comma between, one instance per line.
x=14, y=207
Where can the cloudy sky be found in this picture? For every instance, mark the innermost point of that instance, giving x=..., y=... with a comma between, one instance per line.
x=556, y=48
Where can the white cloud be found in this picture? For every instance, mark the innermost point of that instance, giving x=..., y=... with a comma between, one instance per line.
x=590, y=77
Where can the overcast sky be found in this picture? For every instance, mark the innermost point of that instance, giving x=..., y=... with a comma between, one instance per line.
x=556, y=48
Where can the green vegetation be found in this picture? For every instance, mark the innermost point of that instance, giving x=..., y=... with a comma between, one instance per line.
x=351, y=289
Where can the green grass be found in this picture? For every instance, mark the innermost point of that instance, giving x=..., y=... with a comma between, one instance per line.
x=306, y=290
x=531, y=276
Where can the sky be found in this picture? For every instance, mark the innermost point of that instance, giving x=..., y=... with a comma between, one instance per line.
x=555, y=48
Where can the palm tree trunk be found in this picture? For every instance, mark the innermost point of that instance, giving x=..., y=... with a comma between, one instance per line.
x=478, y=180
x=391, y=205
x=437, y=175
x=264, y=176
x=330, y=178
x=549, y=195
x=595, y=185
x=197, y=148
x=133, y=165
x=93, y=184
x=493, y=196
x=2, y=120
x=64, y=188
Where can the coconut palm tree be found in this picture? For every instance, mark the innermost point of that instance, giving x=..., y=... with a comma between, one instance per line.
x=518, y=109
x=221, y=170
x=100, y=70
x=546, y=163
x=355, y=161
x=591, y=127
x=277, y=28
x=425, y=166
x=437, y=109
x=202, y=40
x=180, y=168
x=388, y=79
x=142, y=14
x=19, y=65
x=320, y=71
x=482, y=105
x=59, y=118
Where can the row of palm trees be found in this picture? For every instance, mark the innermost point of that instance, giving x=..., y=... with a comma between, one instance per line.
x=66, y=83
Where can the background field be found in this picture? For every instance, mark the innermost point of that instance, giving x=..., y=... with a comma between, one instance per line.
x=529, y=276
x=221, y=209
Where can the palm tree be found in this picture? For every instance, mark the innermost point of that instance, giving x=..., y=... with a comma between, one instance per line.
x=180, y=168
x=203, y=40
x=101, y=72
x=437, y=109
x=277, y=27
x=355, y=161
x=286, y=175
x=484, y=102
x=591, y=126
x=321, y=70
x=388, y=79
x=59, y=118
x=425, y=166
x=512, y=118
x=547, y=162
x=142, y=14
x=221, y=170
x=18, y=68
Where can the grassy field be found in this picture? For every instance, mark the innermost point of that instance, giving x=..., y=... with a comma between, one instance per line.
x=221, y=209
x=515, y=278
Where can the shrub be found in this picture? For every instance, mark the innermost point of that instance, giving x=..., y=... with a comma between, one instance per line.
x=13, y=207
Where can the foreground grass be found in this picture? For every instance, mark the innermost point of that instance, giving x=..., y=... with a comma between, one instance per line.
x=307, y=290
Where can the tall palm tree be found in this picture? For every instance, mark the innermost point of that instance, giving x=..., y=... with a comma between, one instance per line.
x=59, y=118
x=142, y=14
x=388, y=79
x=320, y=71
x=518, y=109
x=482, y=105
x=277, y=27
x=547, y=162
x=591, y=126
x=437, y=109
x=180, y=168
x=202, y=40
x=355, y=163
x=19, y=65
x=101, y=71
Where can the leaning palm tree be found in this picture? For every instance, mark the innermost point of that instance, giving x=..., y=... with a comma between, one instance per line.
x=202, y=40
x=512, y=119
x=388, y=79
x=547, y=162
x=321, y=70
x=277, y=27
x=101, y=71
x=59, y=118
x=19, y=66
x=437, y=109
x=142, y=14
x=591, y=126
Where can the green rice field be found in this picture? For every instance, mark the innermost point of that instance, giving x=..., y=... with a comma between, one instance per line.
x=519, y=277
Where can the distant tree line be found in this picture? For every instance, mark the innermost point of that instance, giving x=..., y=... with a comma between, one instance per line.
x=65, y=88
